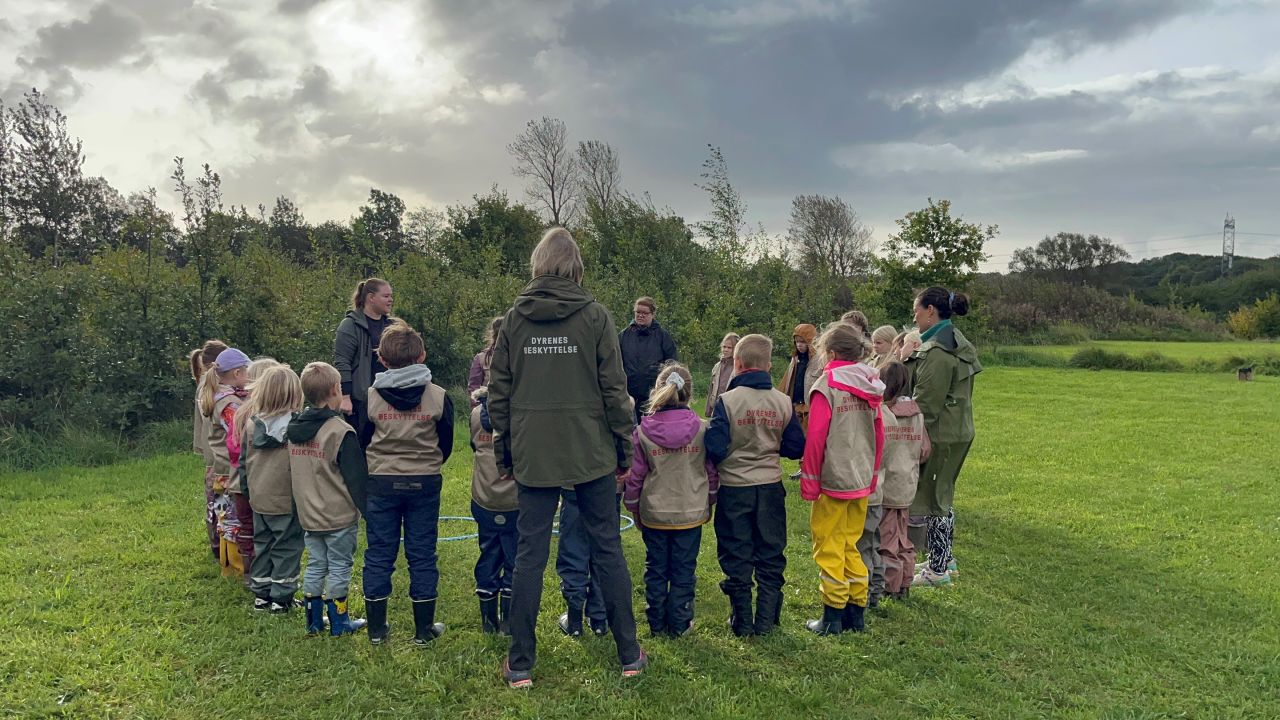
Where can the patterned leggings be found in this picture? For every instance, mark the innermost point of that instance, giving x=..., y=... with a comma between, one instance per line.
x=941, y=531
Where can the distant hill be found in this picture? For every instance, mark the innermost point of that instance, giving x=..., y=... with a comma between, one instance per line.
x=1182, y=279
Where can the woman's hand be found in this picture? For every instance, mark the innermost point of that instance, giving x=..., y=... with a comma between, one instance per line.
x=345, y=407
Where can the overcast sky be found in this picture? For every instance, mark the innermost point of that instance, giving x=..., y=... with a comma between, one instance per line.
x=1140, y=120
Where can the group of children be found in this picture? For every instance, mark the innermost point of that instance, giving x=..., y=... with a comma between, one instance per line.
x=285, y=472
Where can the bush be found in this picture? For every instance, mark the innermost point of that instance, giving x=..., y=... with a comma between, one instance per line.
x=1099, y=359
x=1260, y=320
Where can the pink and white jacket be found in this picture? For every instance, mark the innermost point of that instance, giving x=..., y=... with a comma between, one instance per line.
x=845, y=444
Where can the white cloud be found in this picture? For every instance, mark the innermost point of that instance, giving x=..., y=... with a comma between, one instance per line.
x=504, y=94
x=916, y=157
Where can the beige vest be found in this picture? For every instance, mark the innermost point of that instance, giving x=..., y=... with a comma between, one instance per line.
x=488, y=489
x=756, y=421
x=850, y=460
x=200, y=434
x=900, y=467
x=218, y=441
x=405, y=441
x=674, y=496
x=319, y=491
x=266, y=471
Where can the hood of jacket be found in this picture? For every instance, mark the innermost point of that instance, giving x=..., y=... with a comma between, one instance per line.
x=671, y=428
x=860, y=379
x=270, y=432
x=307, y=423
x=551, y=297
x=402, y=388
x=757, y=379
x=953, y=342
x=904, y=407
x=643, y=330
x=359, y=318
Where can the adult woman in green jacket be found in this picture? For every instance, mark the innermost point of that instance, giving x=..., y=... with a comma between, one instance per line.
x=942, y=372
x=560, y=413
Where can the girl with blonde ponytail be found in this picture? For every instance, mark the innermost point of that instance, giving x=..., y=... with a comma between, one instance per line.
x=670, y=491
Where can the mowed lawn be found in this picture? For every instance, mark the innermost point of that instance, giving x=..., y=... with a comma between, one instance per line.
x=1183, y=352
x=1117, y=535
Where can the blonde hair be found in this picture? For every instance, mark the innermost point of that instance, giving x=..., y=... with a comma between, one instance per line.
x=256, y=370
x=671, y=394
x=843, y=341
x=275, y=390
x=204, y=356
x=885, y=333
x=207, y=389
x=754, y=351
x=318, y=379
x=735, y=337
x=557, y=254
x=400, y=346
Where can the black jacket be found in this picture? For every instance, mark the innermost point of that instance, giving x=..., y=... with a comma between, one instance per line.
x=644, y=350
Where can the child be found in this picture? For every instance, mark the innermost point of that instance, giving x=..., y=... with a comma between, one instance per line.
x=882, y=345
x=752, y=425
x=906, y=447
x=803, y=371
x=264, y=478
x=495, y=508
x=910, y=343
x=235, y=492
x=670, y=491
x=200, y=359
x=841, y=460
x=411, y=427
x=857, y=319
x=328, y=476
x=221, y=392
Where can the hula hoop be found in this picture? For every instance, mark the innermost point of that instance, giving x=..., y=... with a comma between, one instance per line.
x=627, y=523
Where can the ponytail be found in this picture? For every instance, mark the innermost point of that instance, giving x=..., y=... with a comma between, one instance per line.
x=370, y=285
x=208, y=391
x=197, y=364
x=948, y=303
x=673, y=388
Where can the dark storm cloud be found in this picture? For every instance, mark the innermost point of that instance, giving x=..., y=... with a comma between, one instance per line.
x=104, y=37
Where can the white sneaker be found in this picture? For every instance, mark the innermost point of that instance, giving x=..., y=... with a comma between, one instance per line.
x=927, y=578
x=951, y=567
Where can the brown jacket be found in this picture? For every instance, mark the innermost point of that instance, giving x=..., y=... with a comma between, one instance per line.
x=906, y=446
x=217, y=436
x=405, y=442
x=264, y=466
x=756, y=419
x=321, y=492
x=721, y=374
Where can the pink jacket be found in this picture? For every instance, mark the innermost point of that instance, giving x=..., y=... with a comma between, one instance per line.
x=862, y=381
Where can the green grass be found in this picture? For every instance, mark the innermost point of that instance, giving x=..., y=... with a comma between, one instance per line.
x=1183, y=352
x=1116, y=537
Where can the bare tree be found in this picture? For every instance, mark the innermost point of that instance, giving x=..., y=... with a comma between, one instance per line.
x=598, y=163
x=828, y=236
x=551, y=168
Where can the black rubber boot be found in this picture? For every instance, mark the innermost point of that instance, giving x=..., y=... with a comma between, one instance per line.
x=768, y=610
x=425, y=627
x=504, y=612
x=489, y=614
x=854, y=618
x=831, y=622
x=378, y=628
x=571, y=621
x=740, y=614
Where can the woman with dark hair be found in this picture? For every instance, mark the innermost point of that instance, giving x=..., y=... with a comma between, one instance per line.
x=478, y=375
x=355, y=348
x=942, y=371
x=560, y=414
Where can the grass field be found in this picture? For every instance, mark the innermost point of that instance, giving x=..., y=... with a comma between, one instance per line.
x=1184, y=352
x=1116, y=533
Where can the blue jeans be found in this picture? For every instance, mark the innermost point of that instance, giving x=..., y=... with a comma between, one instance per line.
x=330, y=557
x=498, y=539
x=418, y=513
x=573, y=560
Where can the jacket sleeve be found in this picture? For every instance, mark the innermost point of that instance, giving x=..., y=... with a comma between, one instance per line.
x=444, y=428
x=636, y=478
x=613, y=389
x=713, y=482
x=926, y=446
x=500, y=400
x=792, y=440
x=815, y=447
x=355, y=471
x=932, y=381
x=475, y=376
x=668, y=346
x=233, y=438
x=711, y=388
x=345, y=348
x=717, y=437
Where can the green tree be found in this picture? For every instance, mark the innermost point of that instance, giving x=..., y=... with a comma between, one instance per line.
x=930, y=248
x=489, y=236
x=377, y=233
x=1067, y=256
x=289, y=231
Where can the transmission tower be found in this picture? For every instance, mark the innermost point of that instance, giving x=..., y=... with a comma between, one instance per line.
x=1228, y=244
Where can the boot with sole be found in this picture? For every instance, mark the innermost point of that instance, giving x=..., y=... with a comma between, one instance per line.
x=854, y=618
x=379, y=630
x=425, y=626
x=768, y=610
x=340, y=623
x=315, y=614
x=504, y=612
x=571, y=621
x=831, y=622
x=489, y=622
x=740, y=618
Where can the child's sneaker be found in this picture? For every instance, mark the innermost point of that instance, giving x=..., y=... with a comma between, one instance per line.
x=632, y=669
x=262, y=604
x=951, y=567
x=516, y=679
x=928, y=578
x=281, y=606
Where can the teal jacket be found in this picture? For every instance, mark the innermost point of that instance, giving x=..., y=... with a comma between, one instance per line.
x=557, y=393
